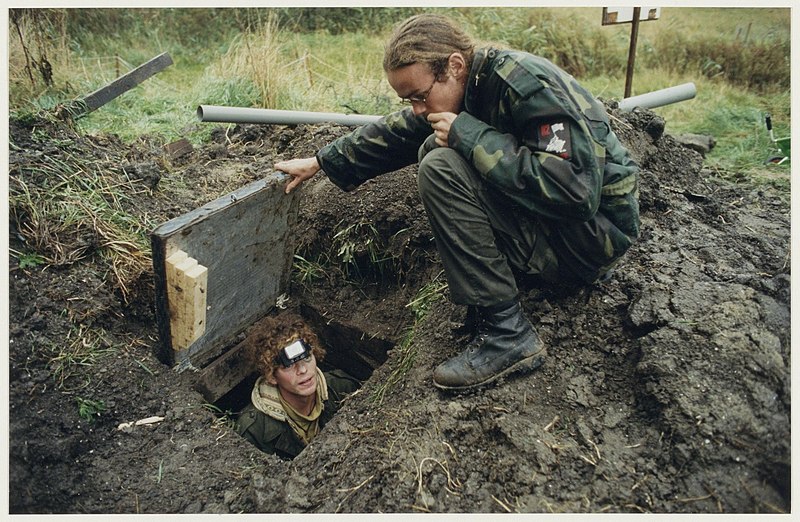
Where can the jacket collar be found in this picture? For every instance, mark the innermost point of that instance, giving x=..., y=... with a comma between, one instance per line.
x=481, y=65
x=266, y=397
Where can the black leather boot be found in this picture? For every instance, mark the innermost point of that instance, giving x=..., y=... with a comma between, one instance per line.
x=470, y=327
x=505, y=342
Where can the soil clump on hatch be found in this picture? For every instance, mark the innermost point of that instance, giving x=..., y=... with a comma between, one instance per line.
x=666, y=388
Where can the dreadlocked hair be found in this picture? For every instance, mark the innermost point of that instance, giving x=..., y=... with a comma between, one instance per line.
x=429, y=39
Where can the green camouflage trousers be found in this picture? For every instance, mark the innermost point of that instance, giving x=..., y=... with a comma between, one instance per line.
x=482, y=237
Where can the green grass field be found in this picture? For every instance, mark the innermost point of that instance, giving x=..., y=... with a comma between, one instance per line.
x=329, y=60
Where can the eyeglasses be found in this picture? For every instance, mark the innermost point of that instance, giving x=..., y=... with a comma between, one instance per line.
x=420, y=97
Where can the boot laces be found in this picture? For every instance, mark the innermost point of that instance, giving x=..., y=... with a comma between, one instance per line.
x=480, y=337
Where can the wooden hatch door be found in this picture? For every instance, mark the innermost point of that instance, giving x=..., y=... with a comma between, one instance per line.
x=220, y=268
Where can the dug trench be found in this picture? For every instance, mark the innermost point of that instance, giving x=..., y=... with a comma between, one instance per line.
x=666, y=388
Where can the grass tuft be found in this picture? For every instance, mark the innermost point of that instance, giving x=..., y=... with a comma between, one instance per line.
x=407, y=348
x=83, y=346
x=90, y=409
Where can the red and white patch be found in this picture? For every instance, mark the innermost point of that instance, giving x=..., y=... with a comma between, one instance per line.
x=554, y=138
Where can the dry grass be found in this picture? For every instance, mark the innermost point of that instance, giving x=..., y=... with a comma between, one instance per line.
x=256, y=55
x=67, y=208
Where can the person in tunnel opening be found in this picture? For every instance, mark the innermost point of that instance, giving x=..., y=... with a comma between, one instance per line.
x=292, y=399
x=519, y=172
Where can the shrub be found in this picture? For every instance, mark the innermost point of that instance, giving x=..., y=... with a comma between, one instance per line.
x=754, y=65
x=338, y=20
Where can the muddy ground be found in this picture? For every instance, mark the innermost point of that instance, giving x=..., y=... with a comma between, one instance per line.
x=666, y=388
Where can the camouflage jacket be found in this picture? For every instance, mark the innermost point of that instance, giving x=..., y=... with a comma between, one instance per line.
x=536, y=135
x=273, y=436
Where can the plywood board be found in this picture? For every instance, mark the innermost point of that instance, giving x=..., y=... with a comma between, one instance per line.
x=243, y=241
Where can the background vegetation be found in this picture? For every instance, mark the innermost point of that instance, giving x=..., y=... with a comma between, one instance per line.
x=329, y=59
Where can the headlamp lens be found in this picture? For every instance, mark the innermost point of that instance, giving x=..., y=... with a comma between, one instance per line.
x=294, y=352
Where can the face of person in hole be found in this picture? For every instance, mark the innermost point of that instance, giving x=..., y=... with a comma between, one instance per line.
x=299, y=380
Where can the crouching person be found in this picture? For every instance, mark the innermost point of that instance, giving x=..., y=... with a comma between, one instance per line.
x=292, y=399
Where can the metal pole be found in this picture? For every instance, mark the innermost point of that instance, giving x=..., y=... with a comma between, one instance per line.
x=632, y=50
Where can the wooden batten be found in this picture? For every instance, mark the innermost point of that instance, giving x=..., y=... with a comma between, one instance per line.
x=187, y=284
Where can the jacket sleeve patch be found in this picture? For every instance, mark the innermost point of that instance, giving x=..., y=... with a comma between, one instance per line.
x=554, y=138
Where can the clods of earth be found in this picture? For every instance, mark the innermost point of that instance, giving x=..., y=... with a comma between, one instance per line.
x=666, y=388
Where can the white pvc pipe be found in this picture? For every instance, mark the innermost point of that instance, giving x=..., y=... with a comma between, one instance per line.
x=679, y=93
x=216, y=113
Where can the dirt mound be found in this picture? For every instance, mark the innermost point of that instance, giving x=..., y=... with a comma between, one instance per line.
x=666, y=388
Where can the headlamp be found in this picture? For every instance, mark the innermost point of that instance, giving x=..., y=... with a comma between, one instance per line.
x=294, y=352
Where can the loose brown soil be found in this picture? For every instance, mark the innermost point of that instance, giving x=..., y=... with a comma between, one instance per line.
x=666, y=388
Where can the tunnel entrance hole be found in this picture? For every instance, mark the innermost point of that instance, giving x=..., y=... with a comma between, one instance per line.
x=221, y=268
x=347, y=348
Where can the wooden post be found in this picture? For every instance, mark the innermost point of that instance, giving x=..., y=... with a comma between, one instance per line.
x=119, y=86
x=632, y=51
